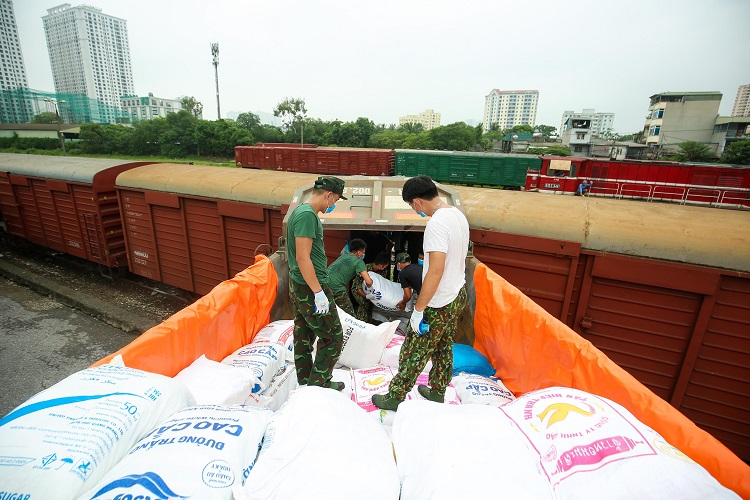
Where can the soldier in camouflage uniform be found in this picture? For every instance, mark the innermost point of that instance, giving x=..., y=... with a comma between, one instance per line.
x=349, y=265
x=364, y=306
x=433, y=322
x=315, y=318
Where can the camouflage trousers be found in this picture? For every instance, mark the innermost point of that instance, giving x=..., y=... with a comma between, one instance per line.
x=436, y=344
x=364, y=310
x=309, y=327
x=342, y=300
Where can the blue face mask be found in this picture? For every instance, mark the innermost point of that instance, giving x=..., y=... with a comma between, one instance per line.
x=421, y=214
x=363, y=256
x=420, y=262
x=330, y=209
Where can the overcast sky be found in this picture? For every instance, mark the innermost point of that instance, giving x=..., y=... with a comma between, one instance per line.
x=386, y=58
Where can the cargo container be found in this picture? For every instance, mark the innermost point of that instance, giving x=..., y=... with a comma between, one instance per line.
x=317, y=160
x=67, y=204
x=489, y=169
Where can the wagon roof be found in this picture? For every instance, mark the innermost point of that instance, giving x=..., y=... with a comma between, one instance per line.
x=66, y=168
x=237, y=184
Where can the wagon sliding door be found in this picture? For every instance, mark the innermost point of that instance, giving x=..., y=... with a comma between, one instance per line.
x=680, y=330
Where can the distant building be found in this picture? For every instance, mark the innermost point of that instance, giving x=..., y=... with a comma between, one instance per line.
x=90, y=55
x=577, y=132
x=428, y=118
x=15, y=107
x=508, y=108
x=729, y=129
x=677, y=117
x=742, y=101
x=600, y=122
x=148, y=107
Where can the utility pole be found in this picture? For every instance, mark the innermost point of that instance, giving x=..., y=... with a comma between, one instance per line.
x=58, y=122
x=215, y=53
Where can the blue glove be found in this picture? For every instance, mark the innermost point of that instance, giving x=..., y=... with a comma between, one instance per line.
x=321, y=303
x=418, y=324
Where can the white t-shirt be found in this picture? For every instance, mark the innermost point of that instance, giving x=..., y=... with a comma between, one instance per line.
x=447, y=231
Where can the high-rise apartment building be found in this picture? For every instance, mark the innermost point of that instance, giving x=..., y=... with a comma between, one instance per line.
x=15, y=107
x=508, y=108
x=600, y=122
x=742, y=101
x=90, y=55
x=428, y=118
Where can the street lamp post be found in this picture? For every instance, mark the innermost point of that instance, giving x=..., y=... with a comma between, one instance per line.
x=59, y=123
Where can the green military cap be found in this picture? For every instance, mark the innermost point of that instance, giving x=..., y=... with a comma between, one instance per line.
x=403, y=257
x=332, y=184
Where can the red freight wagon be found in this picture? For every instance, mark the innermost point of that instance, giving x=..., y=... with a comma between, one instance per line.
x=194, y=235
x=255, y=156
x=318, y=160
x=65, y=203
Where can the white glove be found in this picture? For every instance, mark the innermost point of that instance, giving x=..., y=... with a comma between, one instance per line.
x=321, y=303
x=369, y=296
x=417, y=323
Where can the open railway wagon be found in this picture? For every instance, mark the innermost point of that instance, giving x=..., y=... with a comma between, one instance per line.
x=65, y=203
x=529, y=348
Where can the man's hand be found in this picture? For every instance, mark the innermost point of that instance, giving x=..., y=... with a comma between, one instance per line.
x=321, y=303
x=401, y=305
x=417, y=323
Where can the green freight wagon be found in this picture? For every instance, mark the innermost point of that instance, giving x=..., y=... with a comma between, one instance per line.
x=459, y=167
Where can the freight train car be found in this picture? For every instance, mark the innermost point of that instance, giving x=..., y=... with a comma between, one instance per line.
x=660, y=289
x=318, y=160
x=65, y=203
x=490, y=169
x=704, y=184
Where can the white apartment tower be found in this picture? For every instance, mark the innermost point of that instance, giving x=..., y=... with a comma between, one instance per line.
x=90, y=55
x=742, y=102
x=15, y=106
x=508, y=108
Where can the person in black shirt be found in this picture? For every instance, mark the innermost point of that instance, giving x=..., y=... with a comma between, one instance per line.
x=410, y=276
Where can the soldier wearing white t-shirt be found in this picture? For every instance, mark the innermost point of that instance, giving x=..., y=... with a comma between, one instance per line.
x=434, y=320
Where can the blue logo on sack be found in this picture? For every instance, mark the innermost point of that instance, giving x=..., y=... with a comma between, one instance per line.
x=149, y=481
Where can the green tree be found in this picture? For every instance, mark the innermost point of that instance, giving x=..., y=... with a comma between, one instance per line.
x=547, y=131
x=248, y=120
x=522, y=129
x=419, y=141
x=177, y=140
x=551, y=150
x=411, y=128
x=145, y=139
x=390, y=139
x=219, y=137
x=268, y=133
x=737, y=153
x=96, y=138
x=694, y=151
x=45, y=117
x=293, y=113
x=454, y=137
x=192, y=106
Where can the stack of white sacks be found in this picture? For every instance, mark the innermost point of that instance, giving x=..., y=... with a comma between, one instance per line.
x=241, y=428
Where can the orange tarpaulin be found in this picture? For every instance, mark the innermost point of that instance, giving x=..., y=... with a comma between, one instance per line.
x=533, y=350
x=216, y=325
